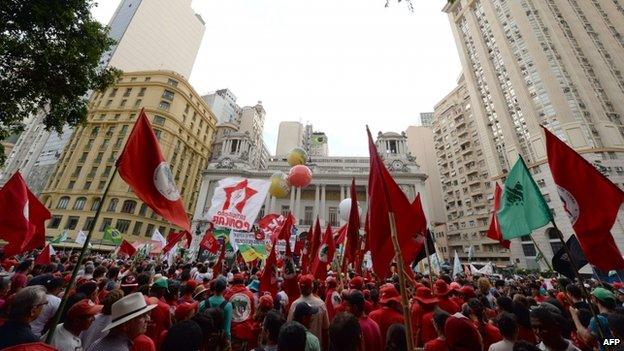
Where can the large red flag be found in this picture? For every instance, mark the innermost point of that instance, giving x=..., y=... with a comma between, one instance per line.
x=174, y=237
x=22, y=217
x=44, y=258
x=143, y=166
x=421, y=219
x=324, y=255
x=494, y=231
x=353, y=227
x=591, y=200
x=341, y=235
x=268, y=279
x=209, y=242
x=127, y=248
x=285, y=229
x=315, y=241
x=385, y=196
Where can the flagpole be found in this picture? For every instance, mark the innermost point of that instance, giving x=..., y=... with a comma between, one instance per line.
x=57, y=315
x=428, y=258
x=402, y=286
x=541, y=253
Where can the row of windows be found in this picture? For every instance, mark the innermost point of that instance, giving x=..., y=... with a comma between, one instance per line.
x=128, y=206
x=122, y=225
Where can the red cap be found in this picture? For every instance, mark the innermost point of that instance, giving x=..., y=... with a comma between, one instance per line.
x=356, y=283
x=192, y=283
x=461, y=333
x=388, y=293
x=306, y=280
x=238, y=278
x=83, y=308
x=441, y=288
x=467, y=291
x=265, y=302
x=184, y=309
x=425, y=296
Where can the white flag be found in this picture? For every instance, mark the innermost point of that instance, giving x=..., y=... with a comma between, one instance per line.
x=156, y=236
x=171, y=254
x=81, y=237
x=457, y=268
x=52, y=251
x=236, y=203
x=233, y=241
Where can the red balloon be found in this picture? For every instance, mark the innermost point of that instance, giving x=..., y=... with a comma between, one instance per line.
x=300, y=176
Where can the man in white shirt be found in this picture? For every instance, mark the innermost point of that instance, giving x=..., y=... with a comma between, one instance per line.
x=53, y=287
x=508, y=327
x=79, y=317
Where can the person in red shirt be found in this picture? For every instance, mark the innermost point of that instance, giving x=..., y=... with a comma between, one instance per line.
x=438, y=344
x=489, y=333
x=332, y=297
x=160, y=316
x=455, y=294
x=371, y=334
x=388, y=314
x=461, y=334
x=357, y=283
x=20, y=278
x=243, y=311
x=423, y=306
x=441, y=290
x=187, y=292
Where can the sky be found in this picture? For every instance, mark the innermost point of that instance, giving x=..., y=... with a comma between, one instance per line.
x=338, y=64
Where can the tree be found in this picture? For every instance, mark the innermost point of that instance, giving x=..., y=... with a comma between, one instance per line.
x=49, y=61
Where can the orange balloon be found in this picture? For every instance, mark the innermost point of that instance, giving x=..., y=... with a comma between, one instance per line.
x=300, y=176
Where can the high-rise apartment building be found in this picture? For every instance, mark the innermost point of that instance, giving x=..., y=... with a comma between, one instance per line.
x=149, y=35
x=223, y=104
x=556, y=63
x=426, y=119
x=290, y=135
x=466, y=186
x=184, y=126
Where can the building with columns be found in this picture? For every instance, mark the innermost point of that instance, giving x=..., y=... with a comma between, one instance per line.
x=331, y=181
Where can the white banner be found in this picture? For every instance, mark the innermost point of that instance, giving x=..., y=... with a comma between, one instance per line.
x=236, y=203
x=81, y=237
x=249, y=238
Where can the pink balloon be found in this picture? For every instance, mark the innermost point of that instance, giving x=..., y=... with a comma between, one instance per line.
x=299, y=176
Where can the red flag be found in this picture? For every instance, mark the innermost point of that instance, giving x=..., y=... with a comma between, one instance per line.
x=218, y=267
x=324, y=255
x=268, y=279
x=291, y=286
x=421, y=219
x=315, y=242
x=270, y=224
x=22, y=217
x=142, y=165
x=43, y=258
x=353, y=227
x=341, y=235
x=174, y=237
x=386, y=196
x=494, y=231
x=209, y=242
x=127, y=248
x=285, y=230
x=591, y=200
x=305, y=253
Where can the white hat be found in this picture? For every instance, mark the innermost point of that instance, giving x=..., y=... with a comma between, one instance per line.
x=127, y=308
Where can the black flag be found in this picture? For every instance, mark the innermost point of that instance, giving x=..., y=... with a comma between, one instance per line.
x=561, y=262
x=430, y=246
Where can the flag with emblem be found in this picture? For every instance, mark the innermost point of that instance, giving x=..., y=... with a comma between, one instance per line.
x=22, y=217
x=523, y=208
x=324, y=255
x=144, y=168
x=209, y=242
x=591, y=200
x=113, y=235
x=60, y=238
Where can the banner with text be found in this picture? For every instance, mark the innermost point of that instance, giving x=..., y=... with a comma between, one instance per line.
x=236, y=203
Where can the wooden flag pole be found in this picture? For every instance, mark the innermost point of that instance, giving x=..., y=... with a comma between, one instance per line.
x=541, y=253
x=85, y=246
x=403, y=287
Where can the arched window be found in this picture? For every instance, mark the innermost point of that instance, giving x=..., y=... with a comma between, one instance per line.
x=80, y=203
x=128, y=206
x=112, y=206
x=62, y=204
x=143, y=210
x=96, y=204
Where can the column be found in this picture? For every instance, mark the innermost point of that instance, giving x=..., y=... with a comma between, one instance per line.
x=267, y=203
x=272, y=204
x=292, y=199
x=297, y=211
x=342, y=193
x=316, y=202
x=322, y=210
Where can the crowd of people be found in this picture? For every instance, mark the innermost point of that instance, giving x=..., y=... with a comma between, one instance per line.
x=145, y=304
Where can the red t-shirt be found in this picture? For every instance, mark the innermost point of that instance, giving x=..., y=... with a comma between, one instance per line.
x=143, y=343
x=371, y=334
x=449, y=306
x=385, y=317
x=526, y=334
x=436, y=345
x=490, y=335
x=427, y=330
x=424, y=328
x=243, y=310
x=160, y=320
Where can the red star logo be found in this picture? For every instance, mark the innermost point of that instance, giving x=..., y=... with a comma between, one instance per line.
x=239, y=194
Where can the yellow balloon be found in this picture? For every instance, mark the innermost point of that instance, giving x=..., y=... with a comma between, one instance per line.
x=279, y=185
x=297, y=156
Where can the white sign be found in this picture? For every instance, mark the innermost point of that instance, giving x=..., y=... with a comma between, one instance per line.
x=249, y=238
x=236, y=203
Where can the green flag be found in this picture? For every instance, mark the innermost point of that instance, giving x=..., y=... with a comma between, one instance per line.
x=60, y=238
x=523, y=207
x=112, y=235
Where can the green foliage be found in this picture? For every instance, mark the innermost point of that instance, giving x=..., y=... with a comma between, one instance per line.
x=49, y=56
x=410, y=6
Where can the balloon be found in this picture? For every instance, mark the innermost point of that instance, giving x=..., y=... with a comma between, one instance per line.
x=344, y=209
x=300, y=176
x=279, y=185
x=297, y=156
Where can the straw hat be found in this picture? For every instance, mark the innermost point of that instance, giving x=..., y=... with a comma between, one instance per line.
x=127, y=308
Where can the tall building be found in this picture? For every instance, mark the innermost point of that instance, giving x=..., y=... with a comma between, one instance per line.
x=223, y=104
x=555, y=63
x=149, y=35
x=466, y=187
x=290, y=135
x=426, y=119
x=185, y=128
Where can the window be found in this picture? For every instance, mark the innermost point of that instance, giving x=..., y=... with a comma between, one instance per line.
x=117, y=115
x=88, y=224
x=108, y=103
x=95, y=204
x=172, y=82
x=285, y=210
x=128, y=206
x=142, y=91
x=161, y=229
x=92, y=172
x=143, y=210
x=55, y=221
x=87, y=185
x=307, y=215
x=101, y=185
x=80, y=203
x=168, y=95
x=137, y=228
x=150, y=229
x=147, y=79
x=333, y=216
x=556, y=246
x=83, y=157
x=123, y=103
x=62, y=204
x=157, y=133
x=72, y=222
x=127, y=93
x=164, y=105
x=124, y=129
x=118, y=143
x=106, y=223
x=112, y=205
x=123, y=225
x=529, y=250
x=113, y=92
x=71, y=184
x=137, y=103
x=159, y=120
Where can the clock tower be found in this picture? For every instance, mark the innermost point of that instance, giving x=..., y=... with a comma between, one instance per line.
x=393, y=149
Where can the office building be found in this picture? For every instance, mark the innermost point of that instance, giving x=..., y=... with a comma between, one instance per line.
x=426, y=119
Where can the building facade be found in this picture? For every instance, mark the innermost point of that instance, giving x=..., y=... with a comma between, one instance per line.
x=223, y=104
x=554, y=63
x=426, y=119
x=289, y=136
x=466, y=186
x=149, y=35
x=185, y=128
